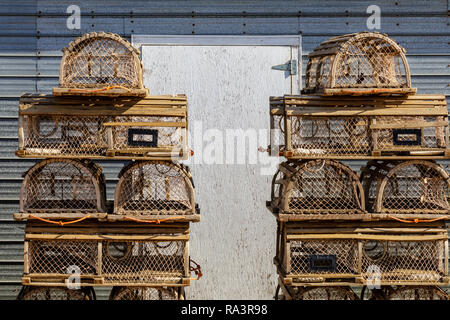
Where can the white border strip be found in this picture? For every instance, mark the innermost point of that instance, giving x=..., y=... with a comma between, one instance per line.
x=216, y=40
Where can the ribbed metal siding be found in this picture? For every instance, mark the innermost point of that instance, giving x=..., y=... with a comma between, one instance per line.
x=32, y=34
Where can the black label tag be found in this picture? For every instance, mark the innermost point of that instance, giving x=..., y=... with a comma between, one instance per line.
x=407, y=137
x=322, y=262
x=142, y=137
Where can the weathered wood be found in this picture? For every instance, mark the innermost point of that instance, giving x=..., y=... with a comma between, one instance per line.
x=97, y=282
x=128, y=237
x=366, y=91
x=59, y=216
x=26, y=263
x=367, y=237
x=185, y=218
x=109, y=93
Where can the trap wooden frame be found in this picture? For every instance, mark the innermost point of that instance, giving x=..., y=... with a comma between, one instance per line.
x=89, y=56
x=359, y=233
x=98, y=234
x=364, y=63
x=379, y=127
x=101, y=127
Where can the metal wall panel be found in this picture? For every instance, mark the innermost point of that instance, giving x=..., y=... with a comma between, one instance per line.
x=33, y=32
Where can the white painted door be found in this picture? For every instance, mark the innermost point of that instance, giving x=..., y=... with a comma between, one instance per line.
x=228, y=89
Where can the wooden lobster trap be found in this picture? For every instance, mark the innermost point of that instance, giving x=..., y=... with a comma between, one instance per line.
x=317, y=127
x=101, y=64
x=155, y=189
x=62, y=189
x=408, y=189
x=55, y=293
x=417, y=293
x=154, y=127
x=147, y=293
x=115, y=255
x=314, y=292
x=316, y=190
x=357, y=64
x=367, y=254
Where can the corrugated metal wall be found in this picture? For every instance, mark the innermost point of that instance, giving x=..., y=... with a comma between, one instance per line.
x=32, y=33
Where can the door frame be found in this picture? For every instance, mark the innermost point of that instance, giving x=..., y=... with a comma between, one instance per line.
x=138, y=41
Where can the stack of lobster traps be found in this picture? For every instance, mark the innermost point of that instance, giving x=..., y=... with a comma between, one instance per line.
x=76, y=239
x=379, y=233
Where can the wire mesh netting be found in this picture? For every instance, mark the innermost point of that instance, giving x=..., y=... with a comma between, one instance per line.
x=63, y=185
x=315, y=257
x=330, y=136
x=62, y=257
x=54, y=293
x=364, y=60
x=418, y=293
x=154, y=188
x=143, y=262
x=97, y=60
x=65, y=135
x=415, y=186
x=144, y=293
x=406, y=261
x=317, y=187
x=325, y=293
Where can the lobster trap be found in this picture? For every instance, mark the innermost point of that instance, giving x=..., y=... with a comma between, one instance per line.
x=357, y=64
x=55, y=293
x=147, y=293
x=360, y=255
x=317, y=127
x=63, y=188
x=155, y=189
x=315, y=293
x=116, y=255
x=417, y=293
x=101, y=64
x=408, y=189
x=316, y=189
x=154, y=127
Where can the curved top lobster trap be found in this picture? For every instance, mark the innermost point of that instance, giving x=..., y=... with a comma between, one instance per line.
x=316, y=189
x=411, y=188
x=61, y=188
x=358, y=63
x=159, y=189
x=100, y=63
